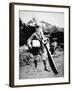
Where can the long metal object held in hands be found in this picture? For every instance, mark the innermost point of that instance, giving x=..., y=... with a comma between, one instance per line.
x=52, y=65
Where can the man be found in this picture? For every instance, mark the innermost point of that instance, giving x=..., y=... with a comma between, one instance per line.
x=37, y=48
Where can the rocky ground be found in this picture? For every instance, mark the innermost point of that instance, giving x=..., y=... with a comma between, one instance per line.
x=28, y=71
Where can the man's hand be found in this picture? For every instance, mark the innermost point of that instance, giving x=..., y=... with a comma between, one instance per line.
x=44, y=41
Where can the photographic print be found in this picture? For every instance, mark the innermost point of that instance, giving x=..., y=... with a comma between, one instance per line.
x=41, y=44
x=34, y=61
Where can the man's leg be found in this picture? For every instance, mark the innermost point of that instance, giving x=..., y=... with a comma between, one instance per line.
x=44, y=62
x=35, y=63
x=45, y=67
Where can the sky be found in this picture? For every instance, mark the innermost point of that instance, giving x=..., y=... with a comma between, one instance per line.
x=54, y=18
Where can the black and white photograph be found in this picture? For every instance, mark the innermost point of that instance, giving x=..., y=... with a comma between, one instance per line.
x=40, y=44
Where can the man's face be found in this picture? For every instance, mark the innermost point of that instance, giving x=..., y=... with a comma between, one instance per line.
x=44, y=27
x=54, y=44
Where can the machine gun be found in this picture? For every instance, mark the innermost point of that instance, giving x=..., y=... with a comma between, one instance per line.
x=51, y=62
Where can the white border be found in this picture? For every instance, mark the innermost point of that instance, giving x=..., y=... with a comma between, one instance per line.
x=16, y=44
